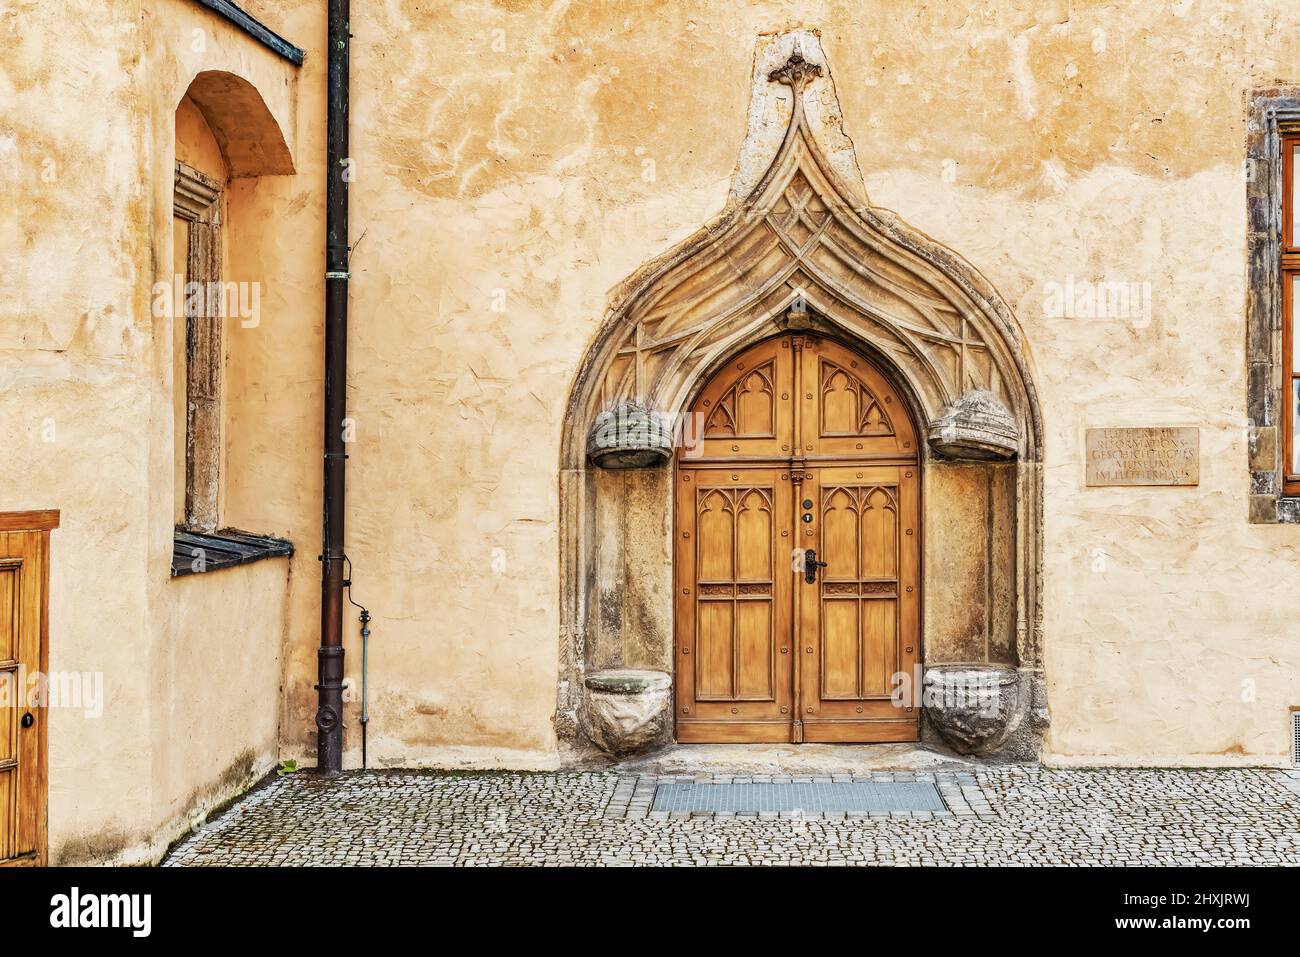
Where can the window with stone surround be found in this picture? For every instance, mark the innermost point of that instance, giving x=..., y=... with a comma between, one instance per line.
x=1290, y=267
x=209, y=290
x=1273, y=287
x=197, y=211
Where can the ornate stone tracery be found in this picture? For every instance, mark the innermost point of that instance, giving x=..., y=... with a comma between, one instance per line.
x=802, y=251
x=801, y=237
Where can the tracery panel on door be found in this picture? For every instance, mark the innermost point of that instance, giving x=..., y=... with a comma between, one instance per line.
x=861, y=617
x=747, y=408
x=849, y=408
x=733, y=605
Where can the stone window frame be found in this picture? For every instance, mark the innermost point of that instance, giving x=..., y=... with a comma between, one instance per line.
x=197, y=545
x=197, y=200
x=1271, y=113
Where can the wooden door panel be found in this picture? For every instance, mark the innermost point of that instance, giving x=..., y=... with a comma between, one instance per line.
x=10, y=628
x=880, y=653
x=755, y=650
x=849, y=409
x=747, y=411
x=9, y=590
x=861, y=617
x=30, y=758
x=841, y=649
x=732, y=603
x=714, y=657
x=859, y=731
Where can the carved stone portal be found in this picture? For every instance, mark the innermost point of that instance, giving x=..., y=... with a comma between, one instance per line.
x=799, y=246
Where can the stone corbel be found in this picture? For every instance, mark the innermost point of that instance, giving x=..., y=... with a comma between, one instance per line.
x=976, y=427
x=630, y=436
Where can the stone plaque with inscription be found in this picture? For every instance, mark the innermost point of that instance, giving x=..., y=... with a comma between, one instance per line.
x=1143, y=456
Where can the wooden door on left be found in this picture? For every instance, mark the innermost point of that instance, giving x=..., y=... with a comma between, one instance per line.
x=24, y=661
x=734, y=681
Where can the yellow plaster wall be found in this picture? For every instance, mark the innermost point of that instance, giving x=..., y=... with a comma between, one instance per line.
x=517, y=160
x=218, y=641
x=75, y=358
x=87, y=131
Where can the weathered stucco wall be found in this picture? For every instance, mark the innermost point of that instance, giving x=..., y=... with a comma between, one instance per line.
x=519, y=160
x=217, y=641
x=513, y=163
x=74, y=345
x=969, y=557
x=190, y=669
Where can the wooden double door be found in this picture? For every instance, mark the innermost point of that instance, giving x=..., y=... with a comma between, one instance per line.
x=806, y=456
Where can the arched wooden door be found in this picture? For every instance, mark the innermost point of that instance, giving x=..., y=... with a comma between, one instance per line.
x=805, y=449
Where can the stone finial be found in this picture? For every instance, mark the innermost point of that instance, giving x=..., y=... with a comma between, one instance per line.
x=976, y=426
x=630, y=436
x=796, y=72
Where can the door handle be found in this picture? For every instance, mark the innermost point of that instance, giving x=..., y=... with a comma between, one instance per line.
x=810, y=565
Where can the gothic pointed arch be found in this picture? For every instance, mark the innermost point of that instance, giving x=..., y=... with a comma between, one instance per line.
x=804, y=249
x=801, y=246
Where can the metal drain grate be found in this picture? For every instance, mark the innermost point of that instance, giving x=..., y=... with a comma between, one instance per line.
x=1295, y=736
x=812, y=797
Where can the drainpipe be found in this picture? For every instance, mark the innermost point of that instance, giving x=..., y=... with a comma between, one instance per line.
x=329, y=713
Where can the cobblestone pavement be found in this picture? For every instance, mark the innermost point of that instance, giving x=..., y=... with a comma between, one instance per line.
x=1009, y=815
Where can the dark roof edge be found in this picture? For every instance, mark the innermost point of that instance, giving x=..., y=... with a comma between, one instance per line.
x=256, y=29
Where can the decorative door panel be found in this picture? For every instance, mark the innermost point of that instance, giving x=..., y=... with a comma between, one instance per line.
x=860, y=619
x=746, y=411
x=809, y=456
x=733, y=605
x=849, y=409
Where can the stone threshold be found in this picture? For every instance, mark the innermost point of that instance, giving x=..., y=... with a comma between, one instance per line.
x=788, y=759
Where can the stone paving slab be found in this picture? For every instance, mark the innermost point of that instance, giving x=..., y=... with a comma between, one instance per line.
x=1008, y=815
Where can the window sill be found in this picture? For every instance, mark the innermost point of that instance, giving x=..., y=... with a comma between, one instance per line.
x=1275, y=509
x=195, y=554
x=1288, y=510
